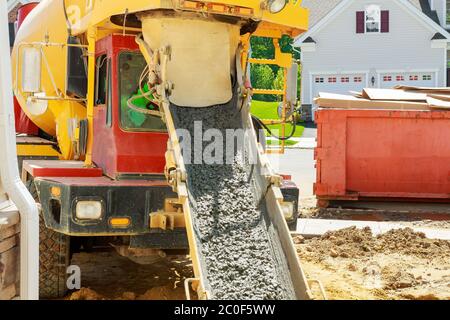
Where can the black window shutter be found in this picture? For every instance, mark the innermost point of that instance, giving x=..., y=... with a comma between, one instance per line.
x=385, y=21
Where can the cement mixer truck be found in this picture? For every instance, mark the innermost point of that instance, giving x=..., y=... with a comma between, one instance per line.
x=112, y=83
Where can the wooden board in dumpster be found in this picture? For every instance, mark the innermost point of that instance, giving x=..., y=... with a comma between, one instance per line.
x=377, y=151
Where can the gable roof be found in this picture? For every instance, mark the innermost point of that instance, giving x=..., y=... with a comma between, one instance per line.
x=424, y=5
x=322, y=11
x=318, y=9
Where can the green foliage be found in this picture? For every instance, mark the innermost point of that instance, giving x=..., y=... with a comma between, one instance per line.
x=262, y=78
x=263, y=48
x=278, y=83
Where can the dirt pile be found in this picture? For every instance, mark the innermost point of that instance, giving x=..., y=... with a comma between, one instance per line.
x=355, y=243
x=156, y=293
x=399, y=264
x=86, y=294
x=240, y=257
x=162, y=293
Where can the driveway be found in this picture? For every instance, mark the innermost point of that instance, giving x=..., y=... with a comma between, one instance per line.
x=299, y=163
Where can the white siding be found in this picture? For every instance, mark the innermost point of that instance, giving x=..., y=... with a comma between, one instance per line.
x=406, y=48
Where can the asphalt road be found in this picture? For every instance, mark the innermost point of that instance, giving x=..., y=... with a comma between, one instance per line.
x=300, y=164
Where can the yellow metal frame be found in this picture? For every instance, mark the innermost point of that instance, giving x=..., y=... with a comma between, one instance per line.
x=292, y=20
x=92, y=39
x=36, y=150
x=170, y=218
x=283, y=60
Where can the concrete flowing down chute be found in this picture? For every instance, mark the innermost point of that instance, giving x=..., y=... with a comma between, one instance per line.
x=239, y=241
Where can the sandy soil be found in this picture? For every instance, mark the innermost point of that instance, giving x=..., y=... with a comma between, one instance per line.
x=401, y=264
x=350, y=263
x=107, y=275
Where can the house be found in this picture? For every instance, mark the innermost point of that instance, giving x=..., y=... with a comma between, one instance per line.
x=352, y=44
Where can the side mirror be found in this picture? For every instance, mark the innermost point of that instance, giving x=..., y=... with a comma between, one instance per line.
x=82, y=137
x=292, y=84
x=291, y=93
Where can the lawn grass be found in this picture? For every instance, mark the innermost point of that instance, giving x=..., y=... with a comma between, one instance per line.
x=267, y=111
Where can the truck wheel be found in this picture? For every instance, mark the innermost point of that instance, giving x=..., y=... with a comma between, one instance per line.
x=54, y=257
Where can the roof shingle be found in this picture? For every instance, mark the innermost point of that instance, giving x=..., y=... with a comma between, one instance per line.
x=318, y=9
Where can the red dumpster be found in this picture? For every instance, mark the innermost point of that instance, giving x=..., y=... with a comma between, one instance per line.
x=383, y=154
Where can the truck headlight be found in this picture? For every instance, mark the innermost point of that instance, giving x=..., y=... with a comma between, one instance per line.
x=288, y=210
x=89, y=210
x=276, y=6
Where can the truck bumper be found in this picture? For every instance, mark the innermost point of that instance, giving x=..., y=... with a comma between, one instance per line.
x=129, y=201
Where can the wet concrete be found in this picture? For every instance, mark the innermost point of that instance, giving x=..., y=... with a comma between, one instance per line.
x=241, y=258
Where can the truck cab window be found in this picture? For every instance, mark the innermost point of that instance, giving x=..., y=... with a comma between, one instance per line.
x=101, y=81
x=131, y=67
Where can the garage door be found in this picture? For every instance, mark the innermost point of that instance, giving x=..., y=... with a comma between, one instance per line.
x=418, y=79
x=341, y=84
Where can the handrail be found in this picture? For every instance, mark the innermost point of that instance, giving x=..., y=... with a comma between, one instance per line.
x=9, y=171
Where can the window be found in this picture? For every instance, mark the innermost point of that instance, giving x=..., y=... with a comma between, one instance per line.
x=103, y=94
x=426, y=77
x=372, y=19
x=357, y=79
x=131, y=65
x=387, y=78
x=101, y=75
x=345, y=79
x=319, y=80
x=332, y=80
x=400, y=78
x=413, y=78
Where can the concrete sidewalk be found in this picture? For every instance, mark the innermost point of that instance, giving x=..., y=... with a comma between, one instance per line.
x=302, y=143
x=306, y=141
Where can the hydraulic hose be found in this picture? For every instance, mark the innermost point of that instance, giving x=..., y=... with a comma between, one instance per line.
x=294, y=127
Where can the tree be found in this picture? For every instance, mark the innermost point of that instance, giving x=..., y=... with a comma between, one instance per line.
x=263, y=48
x=262, y=78
x=278, y=83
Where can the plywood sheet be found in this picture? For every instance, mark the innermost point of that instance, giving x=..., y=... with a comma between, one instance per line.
x=331, y=100
x=393, y=94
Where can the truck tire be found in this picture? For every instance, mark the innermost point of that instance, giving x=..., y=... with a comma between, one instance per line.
x=54, y=257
